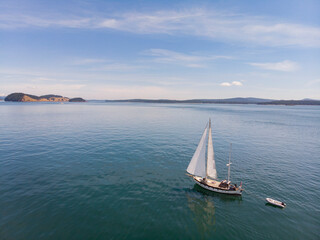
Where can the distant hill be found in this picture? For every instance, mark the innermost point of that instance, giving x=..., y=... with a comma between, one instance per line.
x=23, y=97
x=50, y=96
x=248, y=100
x=293, y=102
x=221, y=101
x=231, y=100
x=77, y=100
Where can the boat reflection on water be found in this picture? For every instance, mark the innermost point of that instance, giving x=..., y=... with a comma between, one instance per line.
x=202, y=208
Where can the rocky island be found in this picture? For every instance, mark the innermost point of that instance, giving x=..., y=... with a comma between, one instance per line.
x=22, y=97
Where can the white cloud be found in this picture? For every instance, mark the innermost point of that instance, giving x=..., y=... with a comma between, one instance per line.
x=285, y=66
x=108, y=23
x=225, y=84
x=229, y=84
x=236, y=83
x=213, y=24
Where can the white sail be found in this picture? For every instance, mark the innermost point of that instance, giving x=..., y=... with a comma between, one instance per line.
x=211, y=164
x=197, y=165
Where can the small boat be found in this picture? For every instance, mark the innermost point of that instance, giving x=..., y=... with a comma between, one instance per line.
x=202, y=167
x=276, y=203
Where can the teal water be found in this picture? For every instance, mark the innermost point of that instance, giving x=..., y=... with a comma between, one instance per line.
x=117, y=171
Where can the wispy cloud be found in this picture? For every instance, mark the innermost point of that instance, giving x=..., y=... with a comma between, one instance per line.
x=86, y=61
x=188, y=60
x=229, y=84
x=117, y=67
x=285, y=66
x=99, y=64
x=314, y=82
x=150, y=92
x=213, y=24
x=70, y=90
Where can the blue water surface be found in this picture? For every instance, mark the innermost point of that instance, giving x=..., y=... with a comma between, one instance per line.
x=117, y=171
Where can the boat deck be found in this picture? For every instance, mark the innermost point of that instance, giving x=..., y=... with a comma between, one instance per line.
x=215, y=186
x=211, y=183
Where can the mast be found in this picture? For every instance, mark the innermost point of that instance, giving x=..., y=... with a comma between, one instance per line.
x=229, y=162
x=209, y=127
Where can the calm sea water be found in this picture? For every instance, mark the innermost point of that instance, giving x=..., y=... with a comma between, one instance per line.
x=117, y=171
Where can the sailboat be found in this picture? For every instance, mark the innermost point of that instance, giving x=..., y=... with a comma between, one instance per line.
x=202, y=167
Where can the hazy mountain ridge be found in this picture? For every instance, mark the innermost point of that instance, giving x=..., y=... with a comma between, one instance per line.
x=238, y=100
x=292, y=102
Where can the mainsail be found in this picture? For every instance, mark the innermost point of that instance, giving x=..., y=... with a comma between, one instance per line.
x=211, y=164
x=197, y=165
x=202, y=167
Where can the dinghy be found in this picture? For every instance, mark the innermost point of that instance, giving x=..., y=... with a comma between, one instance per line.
x=202, y=167
x=276, y=203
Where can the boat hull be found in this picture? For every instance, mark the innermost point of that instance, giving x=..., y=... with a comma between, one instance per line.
x=214, y=189
x=275, y=203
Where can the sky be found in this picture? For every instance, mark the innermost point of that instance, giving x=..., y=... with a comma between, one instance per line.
x=99, y=49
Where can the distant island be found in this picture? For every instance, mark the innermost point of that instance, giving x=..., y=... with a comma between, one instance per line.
x=292, y=102
x=77, y=100
x=22, y=97
x=261, y=101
